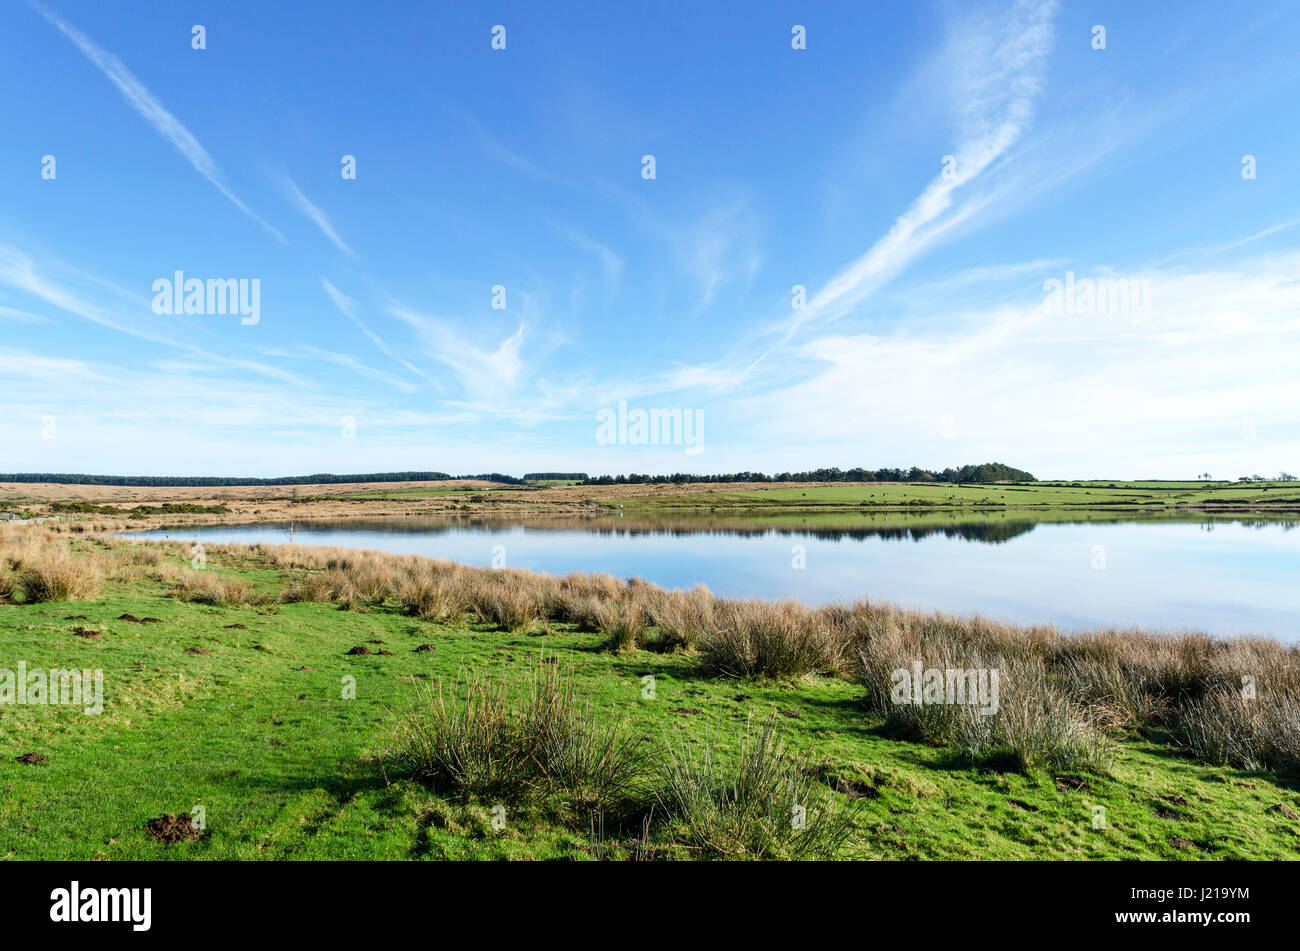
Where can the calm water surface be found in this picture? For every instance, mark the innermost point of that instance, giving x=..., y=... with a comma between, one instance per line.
x=1225, y=576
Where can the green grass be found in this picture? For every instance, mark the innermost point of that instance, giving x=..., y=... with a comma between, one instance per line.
x=969, y=498
x=286, y=768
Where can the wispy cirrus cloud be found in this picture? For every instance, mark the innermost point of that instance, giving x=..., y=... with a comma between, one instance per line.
x=346, y=306
x=995, y=67
x=138, y=96
x=481, y=371
x=610, y=261
x=22, y=316
x=318, y=218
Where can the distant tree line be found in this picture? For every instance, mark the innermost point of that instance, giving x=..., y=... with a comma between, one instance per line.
x=319, y=478
x=985, y=472
x=1283, y=476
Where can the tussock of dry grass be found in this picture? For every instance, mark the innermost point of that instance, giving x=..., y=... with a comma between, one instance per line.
x=8, y=585
x=682, y=616
x=208, y=587
x=44, y=567
x=766, y=639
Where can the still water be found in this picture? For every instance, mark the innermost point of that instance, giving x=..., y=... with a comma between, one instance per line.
x=1223, y=575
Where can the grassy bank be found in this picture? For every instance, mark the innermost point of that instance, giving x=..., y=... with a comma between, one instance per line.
x=106, y=508
x=477, y=689
x=975, y=499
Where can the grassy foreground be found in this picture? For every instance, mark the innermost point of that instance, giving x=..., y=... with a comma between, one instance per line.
x=240, y=705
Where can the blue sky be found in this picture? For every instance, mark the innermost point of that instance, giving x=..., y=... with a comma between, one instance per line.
x=926, y=337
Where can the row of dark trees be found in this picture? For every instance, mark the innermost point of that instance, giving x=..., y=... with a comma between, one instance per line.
x=985, y=472
x=1283, y=476
x=319, y=478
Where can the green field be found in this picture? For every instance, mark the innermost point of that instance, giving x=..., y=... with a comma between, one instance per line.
x=285, y=767
x=1100, y=495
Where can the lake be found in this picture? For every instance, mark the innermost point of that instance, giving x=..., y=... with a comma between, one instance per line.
x=1224, y=575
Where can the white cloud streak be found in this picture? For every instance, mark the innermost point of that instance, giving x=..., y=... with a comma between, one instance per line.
x=315, y=214
x=998, y=75
x=138, y=96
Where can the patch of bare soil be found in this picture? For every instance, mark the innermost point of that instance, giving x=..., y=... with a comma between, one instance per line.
x=172, y=828
x=424, y=648
x=32, y=759
x=359, y=649
x=88, y=633
x=1072, y=784
x=197, y=650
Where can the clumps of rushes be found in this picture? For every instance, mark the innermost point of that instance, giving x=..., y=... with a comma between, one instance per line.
x=682, y=617
x=483, y=738
x=624, y=622
x=1030, y=722
x=512, y=601
x=777, y=640
x=761, y=804
x=583, y=610
x=1234, y=727
x=207, y=587
x=8, y=585
x=1134, y=679
x=431, y=594
x=50, y=573
x=332, y=586
x=580, y=599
